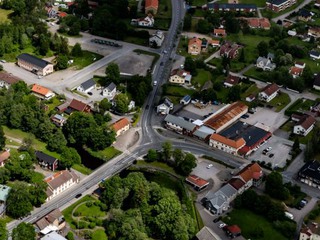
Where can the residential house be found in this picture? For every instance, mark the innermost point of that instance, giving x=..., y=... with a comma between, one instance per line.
x=51, y=12
x=256, y=23
x=226, y=144
x=231, y=7
x=165, y=106
x=197, y=182
x=317, y=4
x=251, y=98
x=230, y=50
x=265, y=64
x=180, y=76
x=58, y=120
x=316, y=83
x=251, y=174
x=7, y=79
x=297, y=69
x=179, y=125
x=79, y=106
x=310, y=174
x=4, y=156
x=59, y=182
x=225, y=116
x=110, y=91
x=156, y=39
x=315, y=55
x=238, y=184
x=219, y=32
x=304, y=15
x=185, y=100
x=121, y=126
x=215, y=43
x=87, y=86
x=46, y=161
x=311, y=231
x=151, y=6
x=42, y=92
x=305, y=125
x=148, y=21
x=314, y=32
x=4, y=192
x=53, y=221
x=232, y=81
x=269, y=92
x=53, y=236
x=34, y=64
x=62, y=15
x=194, y=46
x=279, y=5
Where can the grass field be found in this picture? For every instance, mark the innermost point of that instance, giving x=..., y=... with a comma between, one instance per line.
x=300, y=105
x=4, y=15
x=92, y=211
x=280, y=101
x=85, y=60
x=105, y=154
x=202, y=77
x=81, y=168
x=38, y=145
x=156, y=164
x=165, y=9
x=99, y=234
x=178, y=91
x=249, y=221
x=199, y=3
x=253, y=89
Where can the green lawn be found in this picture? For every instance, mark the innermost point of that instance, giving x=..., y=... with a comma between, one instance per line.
x=253, y=89
x=280, y=101
x=256, y=74
x=85, y=60
x=165, y=9
x=99, y=234
x=38, y=145
x=162, y=23
x=288, y=126
x=4, y=15
x=177, y=91
x=199, y=3
x=300, y=105
x=249, y=221
x=67, y=213
x=136, y=40
x=92, y=211
x=106, y=154
x=202, y=77
x=53, y=103
x=81, y=168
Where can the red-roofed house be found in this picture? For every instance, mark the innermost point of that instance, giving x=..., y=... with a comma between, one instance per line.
x=231, y=81
x=230, y=50
x=233, y=231
x=151, y=6
x=197, y=182
x=251, y=174
x=238, y=184
x=263, y=23
x=62, y=14
x=305, y=125
x=7, y=79
x=194, y=46
x=121, y=126
x=226, y=144
x=269, y=92
x=219, y=32
x=77, y=105
x=296, y=71
x=42, y=92
x=215, y=43
x=4, y=156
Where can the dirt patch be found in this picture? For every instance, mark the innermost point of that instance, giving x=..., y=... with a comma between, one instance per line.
x=134, y=63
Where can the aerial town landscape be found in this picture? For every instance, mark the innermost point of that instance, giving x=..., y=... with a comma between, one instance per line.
x=159, y=119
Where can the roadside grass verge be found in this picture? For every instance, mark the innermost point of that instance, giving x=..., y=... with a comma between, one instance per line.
x=105, y=154
x=81, y=168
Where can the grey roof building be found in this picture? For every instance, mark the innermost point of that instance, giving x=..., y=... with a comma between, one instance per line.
x=34, y=64
x=179, y=124
x=87, y=85
x=203, y=132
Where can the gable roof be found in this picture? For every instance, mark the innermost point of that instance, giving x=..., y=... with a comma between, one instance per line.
x=234, y=229
x=296, y=70
x=179, y=72
x=151, y=3
x=4, y=191
x=229, y=142
x=314, y=53
x=77, y=105
x=121, y=123
x=180, y=122
x=311, y=169
x=4, y=156
x=45, y=157
x=304, y=13
x=196, y=41
x=53, y=236
x=276, y=2
x=258, y=22
x=8, y=78
x=237, y=183
x=232, y=80
x=251, y=171
x=48, y=219
x=33, y=60
x=270, y=89
x=306, y=121
x=198, y=181
x=88, y=84
x=111, y=86
x=206, y=234
x=40, y=90
x=228, y=190
x=219, y=31
x=59, y=178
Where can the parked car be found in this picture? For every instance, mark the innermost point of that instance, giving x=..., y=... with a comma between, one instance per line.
x=222, y=225
x=271, y=155
x=209, y=166
x=78, y=195
x=216, y=219
x=268, y=149
x=264, y=152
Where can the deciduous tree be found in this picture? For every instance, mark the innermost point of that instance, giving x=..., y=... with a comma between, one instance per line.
x=24, y=231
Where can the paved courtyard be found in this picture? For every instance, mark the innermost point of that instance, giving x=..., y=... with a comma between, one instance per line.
x=190, y=111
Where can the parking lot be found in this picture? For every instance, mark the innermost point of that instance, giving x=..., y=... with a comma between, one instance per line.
x=267, y=117
x=280, y=150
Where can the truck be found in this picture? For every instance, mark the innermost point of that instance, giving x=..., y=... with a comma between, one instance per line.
x=288, y=215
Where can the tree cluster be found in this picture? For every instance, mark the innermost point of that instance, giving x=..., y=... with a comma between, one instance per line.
x=143, y=210
x=73, y=25
x=275, y=188
x=182, y=162
x=24, y=231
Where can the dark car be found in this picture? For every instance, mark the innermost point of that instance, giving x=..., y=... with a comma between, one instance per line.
x=147, y=107
x=161, y=64
x=216, y=219
x=90, y=93
x=271, y=155
x=78, y=195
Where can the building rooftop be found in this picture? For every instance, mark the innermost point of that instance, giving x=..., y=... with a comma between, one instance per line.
x=4, y=155
x=270, y=89
x=121, y=123
x=59, y=178
x=4, y=191
x=77, y=105
x=33, y=60
x=8, y=78
x=88, y=84
x=306, y=121
x=229, y=142
x=40, y=90
x=197, y=181
x=111, y=87
x=45, y=157
x=180, y=122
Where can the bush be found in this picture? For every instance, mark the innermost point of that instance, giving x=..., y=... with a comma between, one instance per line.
x=92, y=225
x=82, y=225
x=70, y=236
x=99, y=222
x=89, y=204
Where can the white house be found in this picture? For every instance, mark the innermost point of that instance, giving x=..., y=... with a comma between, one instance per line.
x=185, y=100
x=156, y=39
x=59, y=182
x=148, y=21
x=180, y=76
x=110, y=91
x=165, y=107
x=7, y=79
x=269, y=92
x=304, y=126
x=87, y=86
x=265, y=64
x=226, y=144
x=314, y=55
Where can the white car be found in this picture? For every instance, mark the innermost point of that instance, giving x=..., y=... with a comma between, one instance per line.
x=209, y=166
x=222, y=225
x=155, y=83
x=269, y=149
